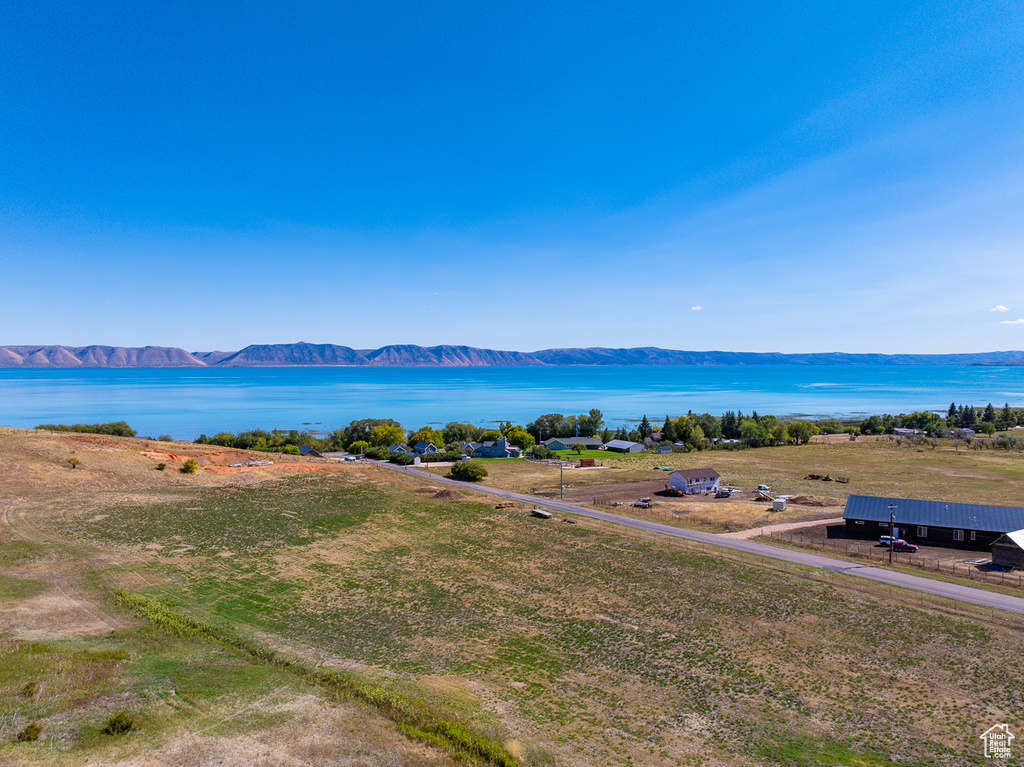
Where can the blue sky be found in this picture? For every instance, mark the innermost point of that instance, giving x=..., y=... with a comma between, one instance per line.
x=519, y=176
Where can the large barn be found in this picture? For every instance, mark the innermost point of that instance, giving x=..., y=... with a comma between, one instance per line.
x=945, y=523
x=1008, y=550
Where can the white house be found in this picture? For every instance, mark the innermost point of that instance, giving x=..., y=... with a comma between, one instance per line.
x=694, y=481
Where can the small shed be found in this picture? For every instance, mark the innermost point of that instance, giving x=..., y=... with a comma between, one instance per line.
x=1008, y=550
x=779, y=504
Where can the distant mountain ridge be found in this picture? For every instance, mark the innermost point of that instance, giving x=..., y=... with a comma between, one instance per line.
x=408, y=355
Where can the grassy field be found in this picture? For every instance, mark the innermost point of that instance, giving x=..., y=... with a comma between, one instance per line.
x=321, y=599
x=873, y=467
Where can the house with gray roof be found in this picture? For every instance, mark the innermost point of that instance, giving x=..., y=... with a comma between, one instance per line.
x=946, y=523
x=499, y=448
x=695, y=481
x=623, y=446
x=567, y=443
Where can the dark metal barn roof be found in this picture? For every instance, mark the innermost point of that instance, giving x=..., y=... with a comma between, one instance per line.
x=961, y=516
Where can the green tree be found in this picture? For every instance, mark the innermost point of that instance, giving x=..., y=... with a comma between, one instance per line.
x=578, y=448
x=359, y=447
x=952, y=418
x=830, y=426
x=520, y=437
x=730, y=425
x=460, y=432
x=74, y=462
x=989, y=416
x=645, y=427
x=752, y=434
x=490, y=435
x=668, y=430
x=547, y=426
x=427, y=434
x=468, y=471
x=801, y=431
x=360, y=430
x=190, y=466
x=872, y=425
x=1006, y=419
x=383, y=435
x=591, y=423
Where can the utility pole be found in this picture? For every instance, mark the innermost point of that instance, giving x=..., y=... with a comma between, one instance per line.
x=892, y=530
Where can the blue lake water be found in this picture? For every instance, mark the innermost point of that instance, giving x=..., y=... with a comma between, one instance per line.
x=185, y=402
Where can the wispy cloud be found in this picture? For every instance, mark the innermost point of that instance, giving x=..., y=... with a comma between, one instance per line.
x=696, y=308
x=999, y=308
x=1012, y=322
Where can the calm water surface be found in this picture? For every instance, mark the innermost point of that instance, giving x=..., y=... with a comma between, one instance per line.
x=185, y=402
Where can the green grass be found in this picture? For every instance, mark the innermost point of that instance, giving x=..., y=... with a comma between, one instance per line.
x=572, y=455
x=16, y=589
x=599, y=641
x=290, y=512
x=14, y=553
x=415, y=719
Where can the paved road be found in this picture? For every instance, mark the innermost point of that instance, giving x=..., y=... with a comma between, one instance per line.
x=881, y=575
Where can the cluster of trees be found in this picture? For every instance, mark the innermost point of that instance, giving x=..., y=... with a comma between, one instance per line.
x=698, y=431
x=381, y=432
x=986, y=420
x=968, y=417
x=275, y=441
x=372, y=436
x=557, y=425
x=115, y=428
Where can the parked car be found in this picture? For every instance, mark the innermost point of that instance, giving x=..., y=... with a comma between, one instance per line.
x=723, y=494
x=904, y=546
x=885, y=540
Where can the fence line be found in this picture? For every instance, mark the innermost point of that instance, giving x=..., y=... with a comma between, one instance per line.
x=908, y=559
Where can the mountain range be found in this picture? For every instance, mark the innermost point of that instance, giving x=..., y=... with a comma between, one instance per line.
x=305, y=354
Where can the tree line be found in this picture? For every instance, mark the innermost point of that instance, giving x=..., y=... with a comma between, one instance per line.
x=694, y=431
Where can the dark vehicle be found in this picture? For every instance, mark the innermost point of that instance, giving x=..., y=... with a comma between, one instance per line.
x=723, y=494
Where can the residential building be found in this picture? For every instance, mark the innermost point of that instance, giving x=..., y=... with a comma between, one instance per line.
x=695, y=481
x=499, y=448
